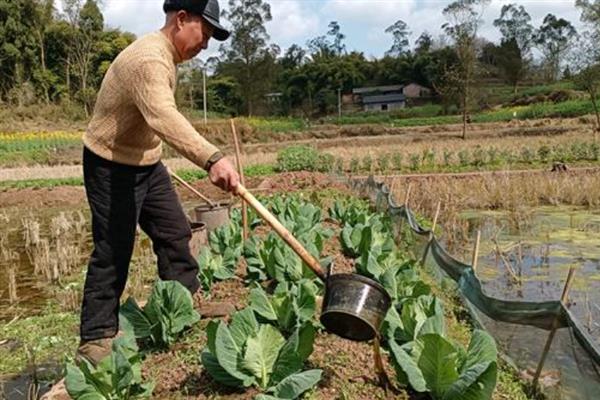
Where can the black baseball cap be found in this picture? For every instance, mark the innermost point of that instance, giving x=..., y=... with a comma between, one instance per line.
x=208, y=9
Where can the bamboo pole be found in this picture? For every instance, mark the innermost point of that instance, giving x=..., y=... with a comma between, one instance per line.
x=393, y=188
x=563, y=299
x=476, y=251
x=238, y=161
x=431, y=233
x=190, y=188
x=435, y=217
x=407, y=197
x=281, y=231
x=12, y=285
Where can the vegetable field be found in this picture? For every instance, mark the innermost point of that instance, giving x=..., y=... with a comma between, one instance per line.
x=273, y=346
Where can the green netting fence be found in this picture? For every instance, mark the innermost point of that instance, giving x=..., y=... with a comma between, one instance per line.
x=520, y=327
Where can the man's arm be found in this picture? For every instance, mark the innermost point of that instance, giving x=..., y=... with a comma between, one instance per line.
x=152, y=94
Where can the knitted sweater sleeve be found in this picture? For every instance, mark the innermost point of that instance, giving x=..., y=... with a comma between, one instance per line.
x=153, y=95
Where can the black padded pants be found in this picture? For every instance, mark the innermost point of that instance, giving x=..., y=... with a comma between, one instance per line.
x=120, y=197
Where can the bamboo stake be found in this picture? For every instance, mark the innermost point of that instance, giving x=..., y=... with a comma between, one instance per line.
x=281, y=231
x=190, y=188
x=476, y=252
x=393, y=188
x=12, y=285
x=407, y=198
x=238, y=161
x=563, y=299
x=431, y=233
x=435, y=218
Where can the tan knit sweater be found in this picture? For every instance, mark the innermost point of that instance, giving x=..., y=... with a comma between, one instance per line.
x=136, y=108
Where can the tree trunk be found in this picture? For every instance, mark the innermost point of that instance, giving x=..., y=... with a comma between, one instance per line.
x=597, y=112
x=464, y=115
x=43, y=64
x=68, y=76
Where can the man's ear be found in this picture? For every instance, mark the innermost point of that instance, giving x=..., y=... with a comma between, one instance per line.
x=181, y=17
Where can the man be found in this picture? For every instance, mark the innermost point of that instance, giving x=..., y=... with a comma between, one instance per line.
x=125, y=181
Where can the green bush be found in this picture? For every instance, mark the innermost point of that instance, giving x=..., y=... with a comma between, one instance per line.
x=354, y=165
x=397, y=161
x=415, y=162
x=383, y=161
x=448, y=157
x=304, y=158
x=367, y=163
x=325, y=162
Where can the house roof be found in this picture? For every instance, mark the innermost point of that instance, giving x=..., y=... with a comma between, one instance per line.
x=384, y=98
x=390, y=88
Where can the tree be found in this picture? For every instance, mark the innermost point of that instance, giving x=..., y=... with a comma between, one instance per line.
x=320, y=47
x=423, y=43
x=43, y=19
x=515, y=23
x=515, y=49
x=294, y=57
x=586, y=61
x=87, y=24
x=338, y=37
x=590, y=12
x=554, y=38
x=510, y=61
x=400, y=33
x=248, y=57
x=18, y=50
x=442, y=70
x=464, y=19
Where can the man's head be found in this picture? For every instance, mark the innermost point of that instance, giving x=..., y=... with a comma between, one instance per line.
x=191, y=23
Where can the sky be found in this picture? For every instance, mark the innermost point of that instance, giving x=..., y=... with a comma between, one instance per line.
x=362, y=21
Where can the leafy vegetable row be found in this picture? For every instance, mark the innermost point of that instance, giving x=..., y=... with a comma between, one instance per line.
x=414, y=329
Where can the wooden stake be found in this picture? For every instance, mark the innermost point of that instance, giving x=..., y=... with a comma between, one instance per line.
x=393, y=187
x=407, y=198
x=238, y=160
x=435, y=217
x=12, y=285
x=190, y=188
x=431, y=233
x=563, y=299
x=476, y=251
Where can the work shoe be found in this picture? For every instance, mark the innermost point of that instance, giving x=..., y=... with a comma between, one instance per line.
x=57, y=392
x=211, y=309
x=94, y=350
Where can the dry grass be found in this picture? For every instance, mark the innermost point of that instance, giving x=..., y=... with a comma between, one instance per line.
x=10, y=258
x=59, y=252
x=512, y=192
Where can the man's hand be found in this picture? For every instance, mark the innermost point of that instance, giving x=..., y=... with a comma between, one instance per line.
x=224, y=175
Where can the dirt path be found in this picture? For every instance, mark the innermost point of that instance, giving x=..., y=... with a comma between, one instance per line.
x=75, y=195
x=68, y=171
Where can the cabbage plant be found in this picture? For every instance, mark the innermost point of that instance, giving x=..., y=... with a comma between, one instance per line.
x=246, y=353
x=168, y=312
